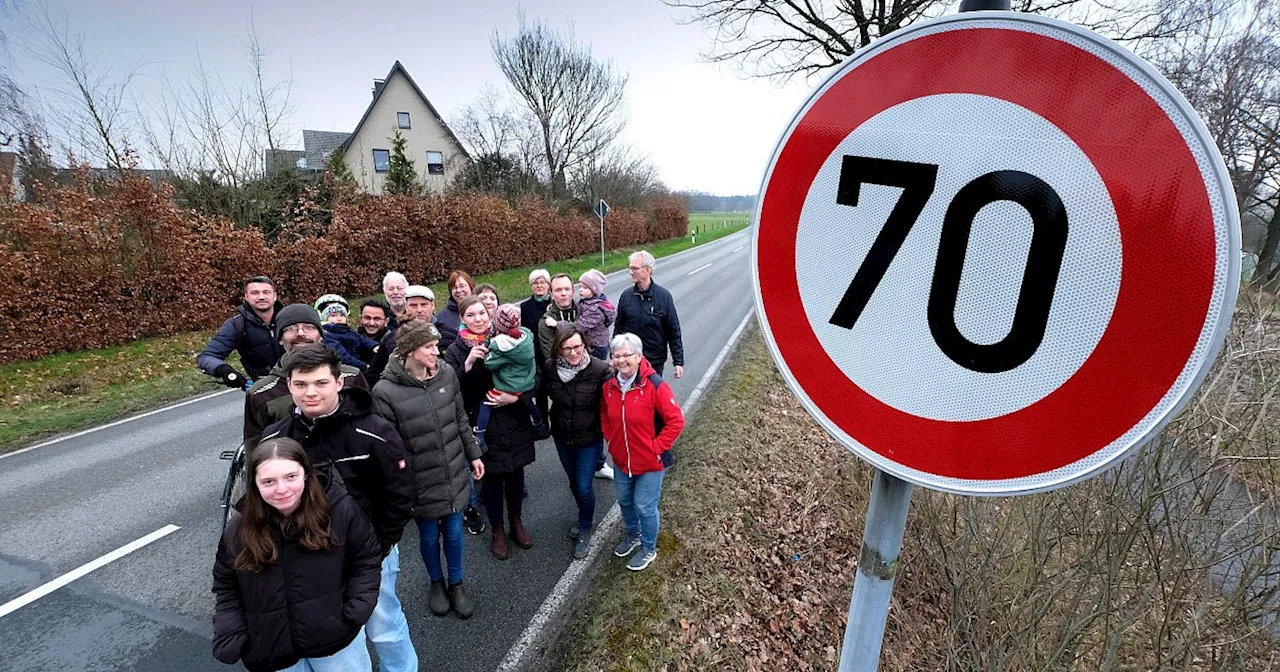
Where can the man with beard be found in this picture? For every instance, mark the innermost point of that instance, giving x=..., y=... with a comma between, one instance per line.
x=394, y=286
x=250, y=332
x=268, y=400
x=375, y=319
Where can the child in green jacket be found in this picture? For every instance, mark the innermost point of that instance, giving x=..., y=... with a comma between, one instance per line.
x=512, y=361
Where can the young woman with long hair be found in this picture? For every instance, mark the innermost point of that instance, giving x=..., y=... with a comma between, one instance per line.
x=297, y=572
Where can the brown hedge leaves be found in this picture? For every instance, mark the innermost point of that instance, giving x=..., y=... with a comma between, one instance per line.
x=93, y=268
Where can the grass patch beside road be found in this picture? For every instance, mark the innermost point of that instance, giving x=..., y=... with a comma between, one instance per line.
x=69, y=391
x=761, y=526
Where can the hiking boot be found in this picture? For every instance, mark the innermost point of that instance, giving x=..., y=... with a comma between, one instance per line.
x=583, y=546
x=605, y=472
x=437, y=599
x=626, y=546
x=521, y=536
x=461, y=601
x=642, y=559
x=498, y=545
x=472, y=520
x=574, y=531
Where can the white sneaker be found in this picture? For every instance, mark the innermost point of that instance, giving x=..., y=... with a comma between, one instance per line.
x=605, y=472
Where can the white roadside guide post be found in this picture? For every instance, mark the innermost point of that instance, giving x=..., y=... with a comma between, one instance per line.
x=601, y=210
x=993, y=254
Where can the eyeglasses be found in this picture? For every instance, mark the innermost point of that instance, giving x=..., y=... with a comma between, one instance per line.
x=623, y=355
x=635, y=268
x=573, y=348
x=295, y=328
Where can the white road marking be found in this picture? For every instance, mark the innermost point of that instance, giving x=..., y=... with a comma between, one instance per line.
x=603, y=535
x=116, y=423
x=737, y=249
x=700, y=268
x=39, y=592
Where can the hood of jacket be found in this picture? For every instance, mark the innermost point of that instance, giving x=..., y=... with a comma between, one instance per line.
x=353, y=402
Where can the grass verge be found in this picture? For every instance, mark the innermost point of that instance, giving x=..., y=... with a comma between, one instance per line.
x=68, y=391
x=761, y=528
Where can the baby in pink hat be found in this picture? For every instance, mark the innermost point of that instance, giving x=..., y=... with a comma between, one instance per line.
x=595, y=313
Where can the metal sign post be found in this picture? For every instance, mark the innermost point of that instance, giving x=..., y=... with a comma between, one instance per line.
x=601, y=210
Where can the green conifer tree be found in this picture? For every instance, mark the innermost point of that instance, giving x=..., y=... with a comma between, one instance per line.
x=402, y=178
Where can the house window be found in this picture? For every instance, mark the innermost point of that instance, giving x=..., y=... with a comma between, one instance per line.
x=435, y=163
x=381, y=160
x=402, y=119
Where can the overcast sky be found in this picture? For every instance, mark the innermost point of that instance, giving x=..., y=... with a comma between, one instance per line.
x=704, y=126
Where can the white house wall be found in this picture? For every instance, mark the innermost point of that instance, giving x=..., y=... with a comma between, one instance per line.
x=425, y=134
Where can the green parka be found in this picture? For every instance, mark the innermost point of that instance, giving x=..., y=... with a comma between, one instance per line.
x=429, y=416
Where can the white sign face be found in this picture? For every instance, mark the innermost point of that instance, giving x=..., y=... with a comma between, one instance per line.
x=995, y=276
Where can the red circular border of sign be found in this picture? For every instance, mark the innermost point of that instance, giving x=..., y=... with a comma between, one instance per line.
x=1156, y=196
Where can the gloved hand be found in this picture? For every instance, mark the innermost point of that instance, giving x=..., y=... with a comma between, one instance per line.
x=227, y=375
x=668, y=459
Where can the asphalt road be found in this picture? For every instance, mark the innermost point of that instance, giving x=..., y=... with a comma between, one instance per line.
x=72, y=502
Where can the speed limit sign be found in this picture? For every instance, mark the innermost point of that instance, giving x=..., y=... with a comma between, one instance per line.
x=994, y=253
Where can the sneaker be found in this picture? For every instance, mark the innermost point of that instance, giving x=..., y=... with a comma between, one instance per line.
x=605, y=472
x=574, y=531
x=472, y=520
x=438, y=598
x=626, y=546
x=583, y=546
x=642, y=559
x=461, y=601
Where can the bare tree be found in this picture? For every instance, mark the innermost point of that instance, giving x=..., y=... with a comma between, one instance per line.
x=271, y=100
x=619, y=175
x=785, y=38
x=577, y=101
x=93, y=93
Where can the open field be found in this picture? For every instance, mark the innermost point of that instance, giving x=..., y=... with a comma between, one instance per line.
x=68, y=391
x=706, y=223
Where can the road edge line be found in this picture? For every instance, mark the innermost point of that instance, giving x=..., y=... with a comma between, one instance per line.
x=516, y=658
x=115, y=423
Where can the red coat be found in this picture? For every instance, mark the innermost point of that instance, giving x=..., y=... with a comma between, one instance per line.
x=628, y=424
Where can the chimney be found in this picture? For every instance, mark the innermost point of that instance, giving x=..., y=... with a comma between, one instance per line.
x=377, y=87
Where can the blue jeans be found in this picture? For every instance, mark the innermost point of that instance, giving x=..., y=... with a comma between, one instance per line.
x=387, y=627
x=354, y=657
x=429, y=532
x=579, y=462
x=638, y=499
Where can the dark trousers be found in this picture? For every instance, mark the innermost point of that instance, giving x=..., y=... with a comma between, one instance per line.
x=497, y=488
x=579, y=462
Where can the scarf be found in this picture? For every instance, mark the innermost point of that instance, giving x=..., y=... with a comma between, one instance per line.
x=567, y=372
x=470, y=338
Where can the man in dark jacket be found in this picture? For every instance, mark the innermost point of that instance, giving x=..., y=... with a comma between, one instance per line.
x=562, y=308
x=250, y=332
x=649, y=311
x=376, y=319
x=338, y=427
x=268, y=401
x=420, y=304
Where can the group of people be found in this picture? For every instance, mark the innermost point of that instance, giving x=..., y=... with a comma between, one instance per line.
x=425, y=416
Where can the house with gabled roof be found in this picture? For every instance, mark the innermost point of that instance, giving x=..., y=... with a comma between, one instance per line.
x=398, y=104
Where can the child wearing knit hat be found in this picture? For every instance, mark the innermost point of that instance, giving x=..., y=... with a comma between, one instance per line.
x=353, y=347
x=595, y=313
x=511, y=361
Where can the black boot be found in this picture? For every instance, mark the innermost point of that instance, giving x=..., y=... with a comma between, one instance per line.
x=461, y=600
x=438, y=598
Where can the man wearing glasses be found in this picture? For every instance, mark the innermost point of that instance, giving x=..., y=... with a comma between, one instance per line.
x=649, y=311
x=269, y=401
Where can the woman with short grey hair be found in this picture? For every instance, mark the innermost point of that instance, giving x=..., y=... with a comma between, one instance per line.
x=641, y=421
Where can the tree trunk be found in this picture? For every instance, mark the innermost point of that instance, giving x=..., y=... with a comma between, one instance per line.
x=1267, y=254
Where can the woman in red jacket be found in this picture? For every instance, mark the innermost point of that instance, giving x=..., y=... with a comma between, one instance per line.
x=641, y=420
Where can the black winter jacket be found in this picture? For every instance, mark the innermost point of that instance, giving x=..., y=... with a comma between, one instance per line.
x=269, y=401
x=430, y=417
x=531, y=311
x=368, y=454
x=509, y=435
x=448, y=321
x=651, y=315
x=547, y=333
x=309, y=604
x=258, y=347
x=575, y=405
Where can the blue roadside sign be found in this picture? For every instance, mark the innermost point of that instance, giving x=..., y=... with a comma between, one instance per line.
x=602, y=209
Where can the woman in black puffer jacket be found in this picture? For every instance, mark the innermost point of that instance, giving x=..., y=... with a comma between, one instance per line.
x=574, y=381
x=297, y=573
x=424, y=401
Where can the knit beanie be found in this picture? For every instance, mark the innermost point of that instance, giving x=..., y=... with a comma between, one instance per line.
x=413, y=335
x=296, y=313
x=507, y=320
x=593, y=280
x=330, y=304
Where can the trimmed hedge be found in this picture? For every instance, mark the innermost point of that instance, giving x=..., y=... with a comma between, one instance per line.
x=86, y=269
